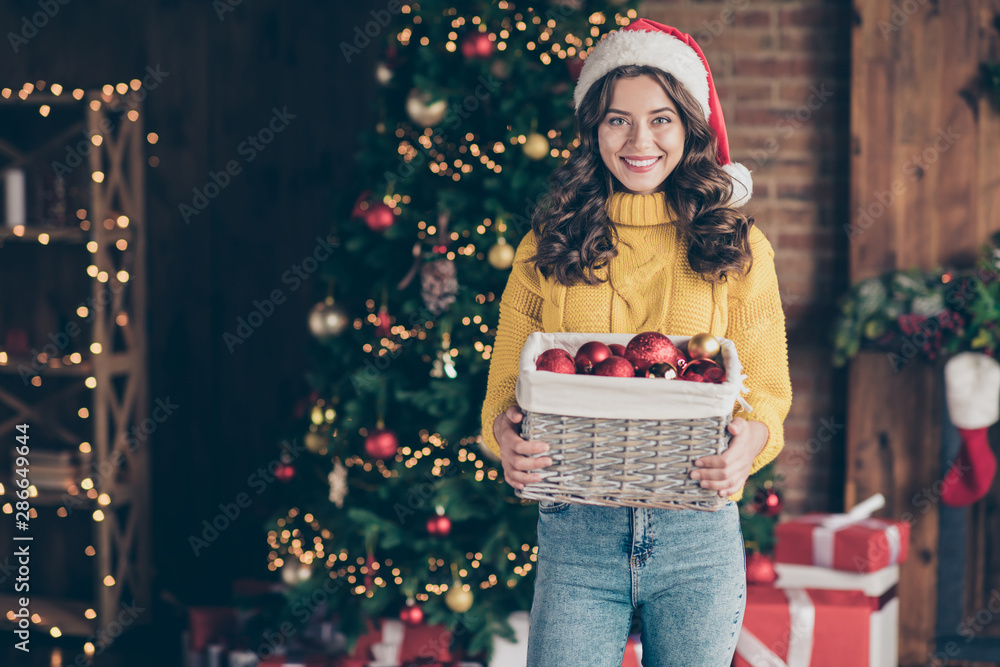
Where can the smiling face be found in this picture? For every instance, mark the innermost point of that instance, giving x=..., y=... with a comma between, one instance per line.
x=641, y=136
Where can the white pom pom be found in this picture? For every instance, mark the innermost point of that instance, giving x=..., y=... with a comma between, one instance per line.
x=972, y=389
x=742, y=183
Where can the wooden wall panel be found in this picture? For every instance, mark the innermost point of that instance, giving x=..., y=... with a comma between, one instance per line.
x=919, y=122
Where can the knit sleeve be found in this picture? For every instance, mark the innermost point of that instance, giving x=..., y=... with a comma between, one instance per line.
x=520, y=315
x=757, y=327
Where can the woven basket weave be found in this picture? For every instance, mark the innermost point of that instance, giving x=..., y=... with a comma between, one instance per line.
x=622, y=462
x=625, y=462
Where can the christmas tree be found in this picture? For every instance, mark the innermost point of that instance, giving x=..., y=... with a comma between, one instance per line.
x=397, y=509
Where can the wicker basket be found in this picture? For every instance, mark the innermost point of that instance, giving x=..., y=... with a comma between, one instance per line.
x=628, y=443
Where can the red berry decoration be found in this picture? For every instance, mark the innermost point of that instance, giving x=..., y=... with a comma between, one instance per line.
x=767, y=501
x=618, y=367
x=589, y=355
x=412, y=615
x=381, y=444
x=556, y=360
x=477, y=45
x=651, y=347
x=760, y=569
x=617, y=349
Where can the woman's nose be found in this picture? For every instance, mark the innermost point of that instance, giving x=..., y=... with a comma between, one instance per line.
x=642, y=136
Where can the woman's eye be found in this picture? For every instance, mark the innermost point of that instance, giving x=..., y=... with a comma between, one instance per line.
x=613, y=121
x=664, y=119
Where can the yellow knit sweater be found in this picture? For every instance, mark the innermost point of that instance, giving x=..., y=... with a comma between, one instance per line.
x=652, y=287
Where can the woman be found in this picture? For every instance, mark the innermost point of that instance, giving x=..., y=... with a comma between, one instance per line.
x=639, y=233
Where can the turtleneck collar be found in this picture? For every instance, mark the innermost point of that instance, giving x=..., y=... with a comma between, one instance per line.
x=625, y=208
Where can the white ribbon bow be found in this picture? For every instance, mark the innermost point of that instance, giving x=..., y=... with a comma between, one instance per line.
x=802, y=617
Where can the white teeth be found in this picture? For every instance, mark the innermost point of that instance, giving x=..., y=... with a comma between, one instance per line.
x=640, y=163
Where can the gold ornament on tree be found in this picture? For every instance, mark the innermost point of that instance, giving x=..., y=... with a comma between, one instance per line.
x=423, y=111
x=458, y=599
x=536, y=146
x=444, y=364
x=328, y=319
x=501, y=255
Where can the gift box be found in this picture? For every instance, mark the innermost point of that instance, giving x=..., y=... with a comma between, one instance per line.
x=633, y=652
x=851, y=542
x=796, y=627
x=515, y=654
x=393, y=643
x=879, y=587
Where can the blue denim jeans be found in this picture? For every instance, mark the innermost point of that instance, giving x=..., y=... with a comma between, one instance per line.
x=685, y=570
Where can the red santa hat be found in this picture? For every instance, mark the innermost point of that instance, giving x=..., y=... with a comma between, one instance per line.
x=645, y=42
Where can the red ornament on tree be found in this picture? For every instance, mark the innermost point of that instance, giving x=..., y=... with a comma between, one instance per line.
x=384, y=323
x=439, y=526
x=377, y=215
x=477, y=45
x=284, y=472
x=575, y=67
x=381, y=443
x=411, y=614
x=767, y=501
x=760, y=569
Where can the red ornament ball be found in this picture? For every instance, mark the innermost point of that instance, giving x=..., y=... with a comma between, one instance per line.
x=556, y=360
x=575, y=67
x=381, y=444
x=706, y=369
x=617, y=349
x=412, y=615
x=651, y=347
x=477, y=45
x=760, y=569
x=379, y=217
x=618, y=367
x=589, y=355
x=767, y=501
x=284, y=472
x=439, y=526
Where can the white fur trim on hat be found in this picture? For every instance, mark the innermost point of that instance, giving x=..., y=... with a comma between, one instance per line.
x=640, y=47
x=742, y=183
x=972, y=390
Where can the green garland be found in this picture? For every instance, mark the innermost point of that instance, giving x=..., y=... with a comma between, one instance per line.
x=928, y=314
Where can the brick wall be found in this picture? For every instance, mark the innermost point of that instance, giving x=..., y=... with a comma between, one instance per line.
x=782, y=71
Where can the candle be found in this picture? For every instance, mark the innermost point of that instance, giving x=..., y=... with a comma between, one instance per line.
x=14, y=197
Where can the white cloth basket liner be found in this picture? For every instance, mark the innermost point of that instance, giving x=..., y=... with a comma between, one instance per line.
x=623, y=398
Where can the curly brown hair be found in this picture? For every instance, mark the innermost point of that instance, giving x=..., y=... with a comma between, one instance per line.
x=574, y=234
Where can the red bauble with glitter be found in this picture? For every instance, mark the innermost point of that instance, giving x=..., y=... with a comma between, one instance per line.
x=616, y=367
x=652, y=347
x=767, y=501
x=381, y=444
x=412, y=615
x=760, y=569
x=589, y=355
x=556, y=360
x=617, y=349
x=477, y=45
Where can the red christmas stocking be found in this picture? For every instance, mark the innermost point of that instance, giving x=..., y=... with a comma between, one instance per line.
x=972, y=392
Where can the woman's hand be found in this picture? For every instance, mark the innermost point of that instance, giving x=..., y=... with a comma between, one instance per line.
x=728, y=472
x=515, y=451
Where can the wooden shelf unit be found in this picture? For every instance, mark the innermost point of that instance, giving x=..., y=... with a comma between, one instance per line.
x=117, y=362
